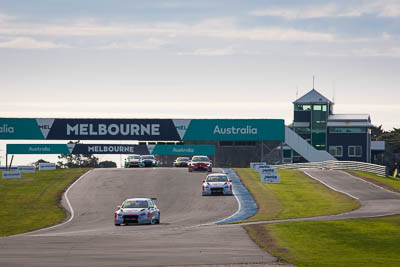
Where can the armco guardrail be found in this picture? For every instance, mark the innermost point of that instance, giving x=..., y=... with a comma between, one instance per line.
x=339, y=165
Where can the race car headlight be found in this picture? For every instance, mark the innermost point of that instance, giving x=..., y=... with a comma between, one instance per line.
x=142, y=214
x=226, y=186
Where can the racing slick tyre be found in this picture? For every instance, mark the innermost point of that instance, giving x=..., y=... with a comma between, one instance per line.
x=190, y=170
x=210, y=170
x=117, y=224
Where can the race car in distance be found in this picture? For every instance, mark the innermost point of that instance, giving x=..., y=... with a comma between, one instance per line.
x=138, y=211
x=216, y=184
x=133, y=161
x=181, y=162
x=149, y=161
x=199, y=163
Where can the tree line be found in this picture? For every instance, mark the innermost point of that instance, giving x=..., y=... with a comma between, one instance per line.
x=391, y=157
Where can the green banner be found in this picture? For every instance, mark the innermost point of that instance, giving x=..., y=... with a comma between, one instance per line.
x=183, y=150
x=235, y=130
x=37, y=149
x=20, y=129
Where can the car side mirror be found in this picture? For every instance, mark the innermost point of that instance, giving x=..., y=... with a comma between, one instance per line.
x=151, y=207
x=230, y=180
x=118, y=207
x=204, y=181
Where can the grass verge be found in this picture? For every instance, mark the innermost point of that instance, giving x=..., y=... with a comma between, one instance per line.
x=296, y=196
x=33, y=202
x=361, y=242
x=389, y=183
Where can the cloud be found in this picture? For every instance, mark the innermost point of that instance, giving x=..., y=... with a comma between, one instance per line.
x=5, y=17
x=217, y=28
x=298, y=13
x=29, y=43
x=382, y=8
x=373, y=52
x=393, y=52
x=210, y=52
x=147, y=44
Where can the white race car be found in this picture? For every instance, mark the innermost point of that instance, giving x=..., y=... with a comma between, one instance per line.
x=138, y=211
x=217, y=184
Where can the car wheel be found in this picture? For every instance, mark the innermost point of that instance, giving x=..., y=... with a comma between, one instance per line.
x=190, y=170
x=210, y=170
x=117, y=224
x=158, y=221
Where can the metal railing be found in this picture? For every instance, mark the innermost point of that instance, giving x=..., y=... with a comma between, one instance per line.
x=339, y=165
x=307, y=151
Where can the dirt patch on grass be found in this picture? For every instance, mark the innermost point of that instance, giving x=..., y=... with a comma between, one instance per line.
x=379, y=183
x=262, y=237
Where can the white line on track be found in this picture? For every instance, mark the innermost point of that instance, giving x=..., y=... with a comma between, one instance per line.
x=355, y=177
x=237, y=211
x=71, y=210
x=331, y=187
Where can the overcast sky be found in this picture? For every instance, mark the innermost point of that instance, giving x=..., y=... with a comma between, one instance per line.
x=198, y=59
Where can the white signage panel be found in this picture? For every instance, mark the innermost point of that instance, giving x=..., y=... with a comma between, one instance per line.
x=271, y=178
x=263, y=166
x=270, y=171
x=47, y=166
x=253, y=165
x=27, y=169
x=11, y=174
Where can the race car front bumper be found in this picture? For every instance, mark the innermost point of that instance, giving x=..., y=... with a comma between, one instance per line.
x=131, y=219
x=208, y=191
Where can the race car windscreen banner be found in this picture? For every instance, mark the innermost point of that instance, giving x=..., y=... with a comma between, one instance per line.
x=143, y=129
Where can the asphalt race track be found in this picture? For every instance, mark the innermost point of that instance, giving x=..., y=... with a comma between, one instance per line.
x=182, y=238
x=91, y=239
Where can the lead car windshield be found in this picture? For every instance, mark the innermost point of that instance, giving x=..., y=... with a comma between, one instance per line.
x=135, y=204
x=200, y=159
x=220, y=178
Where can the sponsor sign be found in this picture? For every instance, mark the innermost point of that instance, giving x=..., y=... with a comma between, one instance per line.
x=266, y=170
x=253, y=165
x=27, y=169
x=37, y=149
x=11, y=174
x=235, y=130
x=4, y=168
x=142, y=129
x=47, y=166
x=270, y=178
x=109, y=149
x=184, y=150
